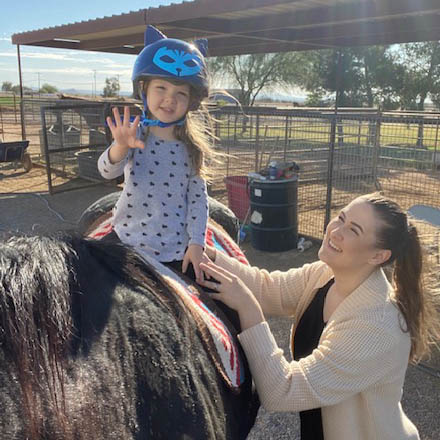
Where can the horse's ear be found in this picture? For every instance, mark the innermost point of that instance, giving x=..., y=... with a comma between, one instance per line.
x=202, y=45
x=152, y=35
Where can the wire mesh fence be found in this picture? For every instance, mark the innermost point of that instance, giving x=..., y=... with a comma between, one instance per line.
x=340, y=156
x=72, y=137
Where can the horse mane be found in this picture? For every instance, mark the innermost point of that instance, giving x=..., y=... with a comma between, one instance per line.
x=44, y=282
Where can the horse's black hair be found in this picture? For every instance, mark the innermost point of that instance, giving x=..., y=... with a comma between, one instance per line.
x=61, y=294
x=41, y=321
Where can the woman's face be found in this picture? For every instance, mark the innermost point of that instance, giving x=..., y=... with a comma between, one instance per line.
x=350, y=238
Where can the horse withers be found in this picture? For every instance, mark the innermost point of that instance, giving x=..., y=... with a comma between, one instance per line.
x=94, y=344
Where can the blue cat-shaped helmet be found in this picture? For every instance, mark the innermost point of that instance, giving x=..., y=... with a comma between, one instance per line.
x=169, y=58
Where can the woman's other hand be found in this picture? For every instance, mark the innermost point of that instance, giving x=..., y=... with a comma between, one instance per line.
x=234, y=293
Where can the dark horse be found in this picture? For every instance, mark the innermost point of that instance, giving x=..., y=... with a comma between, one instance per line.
x=95, y=345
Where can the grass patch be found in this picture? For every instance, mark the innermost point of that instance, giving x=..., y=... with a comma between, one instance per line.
x=9, y=101
x=352, y=132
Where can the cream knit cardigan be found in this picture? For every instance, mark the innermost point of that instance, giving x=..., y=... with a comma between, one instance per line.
x=355, y=374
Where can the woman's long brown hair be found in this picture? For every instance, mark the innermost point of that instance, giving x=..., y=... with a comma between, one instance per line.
x=416, y=293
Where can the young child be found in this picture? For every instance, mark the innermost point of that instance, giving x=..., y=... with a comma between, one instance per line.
x=163, y=209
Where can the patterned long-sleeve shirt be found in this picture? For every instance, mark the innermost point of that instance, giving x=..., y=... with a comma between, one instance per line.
x=163, y=207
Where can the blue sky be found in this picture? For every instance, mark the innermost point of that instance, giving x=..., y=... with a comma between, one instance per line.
x=63, y=68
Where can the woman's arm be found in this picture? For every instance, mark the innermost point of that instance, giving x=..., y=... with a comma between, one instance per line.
x=345, y=363
x=231, y=290
x=277, y=292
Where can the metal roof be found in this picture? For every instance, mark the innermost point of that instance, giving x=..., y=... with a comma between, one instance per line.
x=253, y=26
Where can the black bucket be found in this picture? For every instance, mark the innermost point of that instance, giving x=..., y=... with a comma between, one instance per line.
x=274, y=215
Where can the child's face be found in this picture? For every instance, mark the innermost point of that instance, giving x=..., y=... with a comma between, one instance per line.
x=167, y=102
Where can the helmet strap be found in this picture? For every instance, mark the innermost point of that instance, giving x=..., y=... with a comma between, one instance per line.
x=147, y=122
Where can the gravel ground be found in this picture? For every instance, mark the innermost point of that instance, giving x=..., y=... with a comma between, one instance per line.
x=25, y=206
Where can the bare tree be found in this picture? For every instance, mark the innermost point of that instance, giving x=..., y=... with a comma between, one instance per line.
x=253, y=73
x=111, y=88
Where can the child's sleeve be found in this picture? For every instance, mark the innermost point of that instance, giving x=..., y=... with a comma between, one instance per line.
x=110, y=170
x=197, y=214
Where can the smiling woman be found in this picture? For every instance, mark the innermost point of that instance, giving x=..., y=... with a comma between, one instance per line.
x=348, y=320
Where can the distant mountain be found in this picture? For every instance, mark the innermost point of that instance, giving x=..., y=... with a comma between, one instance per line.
x=281, y=97
x=74, y=91
x=218, y=94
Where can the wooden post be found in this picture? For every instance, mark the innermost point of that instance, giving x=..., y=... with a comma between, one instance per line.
x=2, y=131
x=15, y=107
x=23, y=128
x=434, y=158
x=376, y=148
x=257, y=141
x=334, y=122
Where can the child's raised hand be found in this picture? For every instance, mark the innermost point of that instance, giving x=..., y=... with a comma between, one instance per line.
x=123, y=131
x=195, y=255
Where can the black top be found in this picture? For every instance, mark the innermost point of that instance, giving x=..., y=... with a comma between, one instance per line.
x=306, y=339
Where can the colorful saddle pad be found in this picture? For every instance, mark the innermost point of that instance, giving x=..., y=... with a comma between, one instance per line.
x=221, y=345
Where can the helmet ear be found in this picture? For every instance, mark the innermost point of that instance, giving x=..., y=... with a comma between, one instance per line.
x=202, y=45
x=152, y=35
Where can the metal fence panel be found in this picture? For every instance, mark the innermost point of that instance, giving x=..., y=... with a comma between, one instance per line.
x=72, y=137
x=340, y=156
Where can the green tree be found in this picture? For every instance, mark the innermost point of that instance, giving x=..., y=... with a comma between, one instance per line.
x=47, y=88
x=253, y=73
x=111, y=88
x=330, y=72
x=382, y=76
x=7, y=86
x=354, y=77
x=26, y=90
x=364, y=76
x=421, y=62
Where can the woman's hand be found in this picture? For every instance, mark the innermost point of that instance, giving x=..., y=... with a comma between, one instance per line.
x=234, y=293
x=124, y=134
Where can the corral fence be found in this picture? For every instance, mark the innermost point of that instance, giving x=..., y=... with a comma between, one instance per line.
x=10, y=111
x=340, y=155
x=72, y=137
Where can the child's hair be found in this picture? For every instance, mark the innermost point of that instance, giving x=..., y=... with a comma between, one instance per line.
x=417, y=301
x=196, y=132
